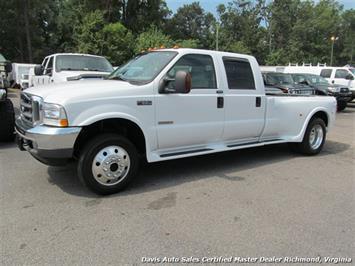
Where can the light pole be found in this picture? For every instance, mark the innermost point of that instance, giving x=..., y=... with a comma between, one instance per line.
x=333, y=39
x=217, y=30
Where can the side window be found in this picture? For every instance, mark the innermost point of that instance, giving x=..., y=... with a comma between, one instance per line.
x=200, y=67
x=326, y=73
x=239, y=74
x=341, y=73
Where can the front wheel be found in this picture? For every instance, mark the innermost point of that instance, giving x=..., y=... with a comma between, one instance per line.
x=108, y=163
x=313, y=139
x=341, y=105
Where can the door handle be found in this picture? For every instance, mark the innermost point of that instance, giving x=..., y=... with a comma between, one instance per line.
x=219, y=92
x=258, y=101
x=220, y=102
x=333, y=81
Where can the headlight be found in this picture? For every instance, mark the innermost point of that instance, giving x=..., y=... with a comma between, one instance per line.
x=2, y=94
x=54, y=115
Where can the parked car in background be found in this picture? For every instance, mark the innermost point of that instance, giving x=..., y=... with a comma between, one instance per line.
x=341, y=93
x=19, y=76
x=285, y=84
x=162, y=105
x=344, y=76
x=59, y=68
x=7, y=113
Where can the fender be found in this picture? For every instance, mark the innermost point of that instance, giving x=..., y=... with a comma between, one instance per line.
x=300, y=136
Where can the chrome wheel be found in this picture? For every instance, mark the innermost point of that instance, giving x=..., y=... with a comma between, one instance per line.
x=316, y=137
x=111, y=165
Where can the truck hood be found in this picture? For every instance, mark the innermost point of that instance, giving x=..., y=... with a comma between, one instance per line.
x=81, y=90
x=66, y=75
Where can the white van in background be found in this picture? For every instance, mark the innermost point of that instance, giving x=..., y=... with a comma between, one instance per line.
x=335, y=75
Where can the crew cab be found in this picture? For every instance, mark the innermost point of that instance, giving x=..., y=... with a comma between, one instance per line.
x=162, y=105
x=64, y=67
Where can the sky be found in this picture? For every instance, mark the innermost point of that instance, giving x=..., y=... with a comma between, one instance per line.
x=210, y=5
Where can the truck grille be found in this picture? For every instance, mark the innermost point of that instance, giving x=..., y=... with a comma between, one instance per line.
x=344, y=90
x=30, y=108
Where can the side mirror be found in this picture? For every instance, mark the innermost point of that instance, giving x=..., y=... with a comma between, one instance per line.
x=8, y=67
x=38, y=70
x=349, y=77
x=182, y=83
x=304, y=82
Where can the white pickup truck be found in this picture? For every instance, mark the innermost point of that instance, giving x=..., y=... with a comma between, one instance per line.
x=162, y=105
x=57, y=68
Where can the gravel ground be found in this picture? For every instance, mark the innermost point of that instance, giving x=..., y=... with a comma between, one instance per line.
x=260, y=202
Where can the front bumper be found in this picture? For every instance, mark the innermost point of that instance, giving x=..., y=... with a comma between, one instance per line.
x=344, y=97
x=50, y=145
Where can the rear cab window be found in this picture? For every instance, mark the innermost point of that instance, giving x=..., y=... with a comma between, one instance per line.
x=239, y=73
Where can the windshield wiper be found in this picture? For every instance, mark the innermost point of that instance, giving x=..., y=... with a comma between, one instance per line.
x=119, y=77
x=68, y=68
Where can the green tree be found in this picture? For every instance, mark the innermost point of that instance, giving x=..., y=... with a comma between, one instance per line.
x=192, y=22
x=153, y=38
x=112, y=40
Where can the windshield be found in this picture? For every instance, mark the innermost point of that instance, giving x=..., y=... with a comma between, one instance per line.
x=144, y=67
x=314, y=79
x=82, y=62
x=279, y=78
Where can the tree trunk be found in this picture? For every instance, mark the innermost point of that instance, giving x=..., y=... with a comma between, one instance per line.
x=27, y=29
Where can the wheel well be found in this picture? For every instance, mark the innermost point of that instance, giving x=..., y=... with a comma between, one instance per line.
x=322, y=115
x=124, y=127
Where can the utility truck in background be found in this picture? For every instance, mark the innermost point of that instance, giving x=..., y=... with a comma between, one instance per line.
x=165, y=104
x=57, y=68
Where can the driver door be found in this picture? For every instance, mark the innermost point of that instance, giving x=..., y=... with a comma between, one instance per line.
x=196, y=118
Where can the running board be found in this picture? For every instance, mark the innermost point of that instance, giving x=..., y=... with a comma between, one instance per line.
x=183, y=152
x=251, y=143
x=219, y=149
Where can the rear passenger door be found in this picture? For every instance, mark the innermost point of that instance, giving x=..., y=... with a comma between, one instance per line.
x=244, y=100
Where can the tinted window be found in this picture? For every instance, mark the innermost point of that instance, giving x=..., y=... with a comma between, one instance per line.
x=325, y=73
x=341, y=73
x=201, y=69
x=239, y=74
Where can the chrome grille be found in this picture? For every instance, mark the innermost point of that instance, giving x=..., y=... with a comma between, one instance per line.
x=26, y=107
x=30, y=108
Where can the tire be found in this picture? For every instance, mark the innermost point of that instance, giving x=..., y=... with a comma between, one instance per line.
x=316, y=131
x=7, y=120
x=108, y=163
x=341, y=105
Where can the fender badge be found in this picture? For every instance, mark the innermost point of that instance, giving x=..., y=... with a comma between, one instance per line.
x=144, y=102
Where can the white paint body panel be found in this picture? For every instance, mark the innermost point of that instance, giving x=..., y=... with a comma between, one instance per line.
x=176, y=123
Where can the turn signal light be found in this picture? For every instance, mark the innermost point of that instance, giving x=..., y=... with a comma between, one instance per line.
x=63, y=122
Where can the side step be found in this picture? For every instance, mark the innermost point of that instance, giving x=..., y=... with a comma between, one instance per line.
x=183, y=152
